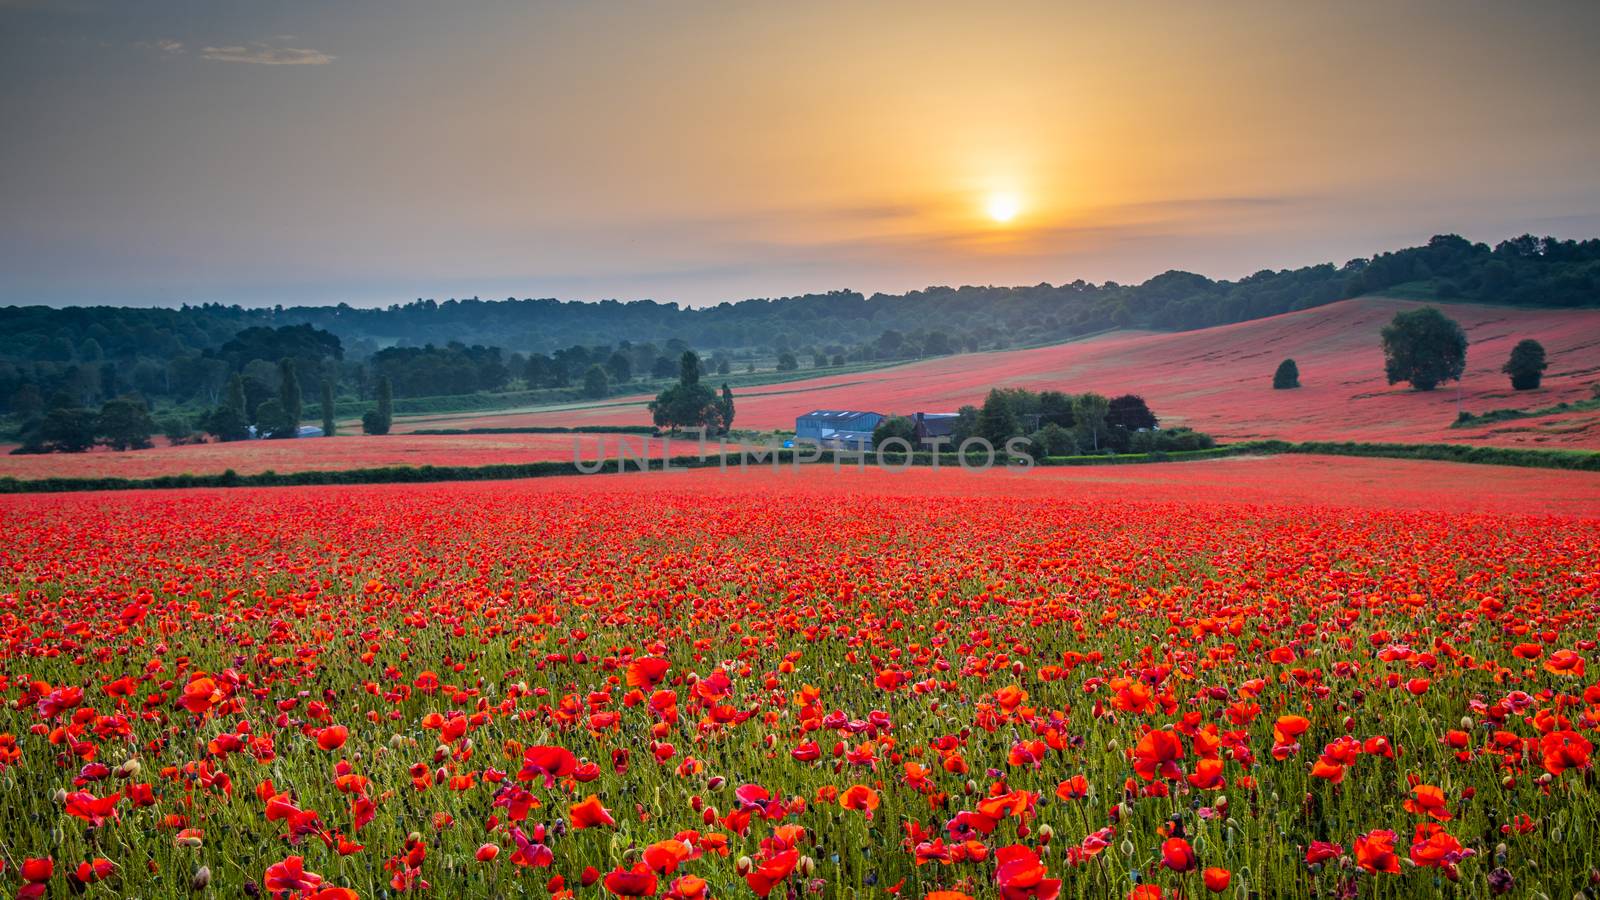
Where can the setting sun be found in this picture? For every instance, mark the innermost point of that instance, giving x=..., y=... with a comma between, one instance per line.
x=1003, y=207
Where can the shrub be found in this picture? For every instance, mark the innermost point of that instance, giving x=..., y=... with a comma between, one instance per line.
x=1287, y=376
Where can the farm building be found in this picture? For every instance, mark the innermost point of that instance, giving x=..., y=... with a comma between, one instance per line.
x=839, y=428
x=934, y=425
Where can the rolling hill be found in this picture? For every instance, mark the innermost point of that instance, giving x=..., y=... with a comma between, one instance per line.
x=1216, y=379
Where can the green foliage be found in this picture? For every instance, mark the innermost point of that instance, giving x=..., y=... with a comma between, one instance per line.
x=381, y=419
x=1089, y=412
x=328, y=425
x=727, y=407
x=1054, y=440
x=1526, y=365
x=787, y=362
x=596, y=383
x=895, y=427
x=176, y=429
x=289, y=394
x=63, y=429
x=997, y=420
x=690, y=404
x=124, y=424
x=1424, y=347
x=273, y=421
x=226, y=423
x=1287, y=376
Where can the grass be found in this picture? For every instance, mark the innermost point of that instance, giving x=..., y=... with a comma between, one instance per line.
x=1474, y=420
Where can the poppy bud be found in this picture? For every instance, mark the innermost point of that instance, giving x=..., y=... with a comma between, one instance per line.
x=744, y=865
x=806, y=866
x=1508, y=782
x=1222, y=802
x=1046, y=833
x=60, y=796
x=128, y=769
x=1127, y=847
x=971, y=787
x=201, y=879
x=1466, y=723
x=715, y=783
x=696, y=803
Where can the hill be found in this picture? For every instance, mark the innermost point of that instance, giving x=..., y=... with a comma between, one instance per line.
x=1217, y=380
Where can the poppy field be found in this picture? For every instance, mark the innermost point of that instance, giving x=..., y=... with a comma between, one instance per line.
x=811, y=684
x=1217, y=380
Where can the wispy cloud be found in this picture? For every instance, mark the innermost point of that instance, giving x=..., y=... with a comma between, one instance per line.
x=266, y=55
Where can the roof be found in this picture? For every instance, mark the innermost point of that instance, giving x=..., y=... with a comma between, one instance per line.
x=836, y=415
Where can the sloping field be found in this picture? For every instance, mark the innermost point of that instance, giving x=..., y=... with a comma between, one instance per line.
x=1219, y=380
x=333, y=454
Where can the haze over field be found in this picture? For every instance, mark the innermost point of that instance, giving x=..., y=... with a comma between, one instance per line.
x=374, y=152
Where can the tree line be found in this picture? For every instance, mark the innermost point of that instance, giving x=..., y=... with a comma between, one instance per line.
x=175, y=352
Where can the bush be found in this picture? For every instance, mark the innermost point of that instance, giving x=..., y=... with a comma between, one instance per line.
x=1287, y=376
x=373, y=422
x=1526, y=365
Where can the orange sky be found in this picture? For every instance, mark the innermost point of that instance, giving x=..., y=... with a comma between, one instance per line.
x=374, y=152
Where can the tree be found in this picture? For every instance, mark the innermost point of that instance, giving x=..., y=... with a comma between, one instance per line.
x=787, y=362
x=1287, y=376
x=661, y=368
x=124, y=424
x=1526, y=365
x=1129, y=412
x=176, y=430
x=226, y=424
x=327, y=408
x=234, y=399
x=379, y=420
x=1089, y=411
x=619, y=368
x=1054, y=440
x=64, y=429
x=1424, y=347
x=727, y=407
x=289, y=397
x=965, y=426
x=687, y=404
x=897, y=427
x=997, y=421
x=1055, y=408
x=272, y=420
x=596, y=383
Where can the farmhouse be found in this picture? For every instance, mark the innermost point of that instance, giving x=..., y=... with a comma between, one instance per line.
x=933, y=426
x=837, y=428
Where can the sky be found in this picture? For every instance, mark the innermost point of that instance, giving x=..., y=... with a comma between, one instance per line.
x=377, y=151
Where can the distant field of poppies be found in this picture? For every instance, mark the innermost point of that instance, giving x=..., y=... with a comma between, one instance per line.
x=357, y=451
x=1219, y=380
x=1266, y=678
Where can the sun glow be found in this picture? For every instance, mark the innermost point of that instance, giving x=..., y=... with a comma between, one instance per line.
x=1003, y=207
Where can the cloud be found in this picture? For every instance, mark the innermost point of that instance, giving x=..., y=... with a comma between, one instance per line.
x=265, y=55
